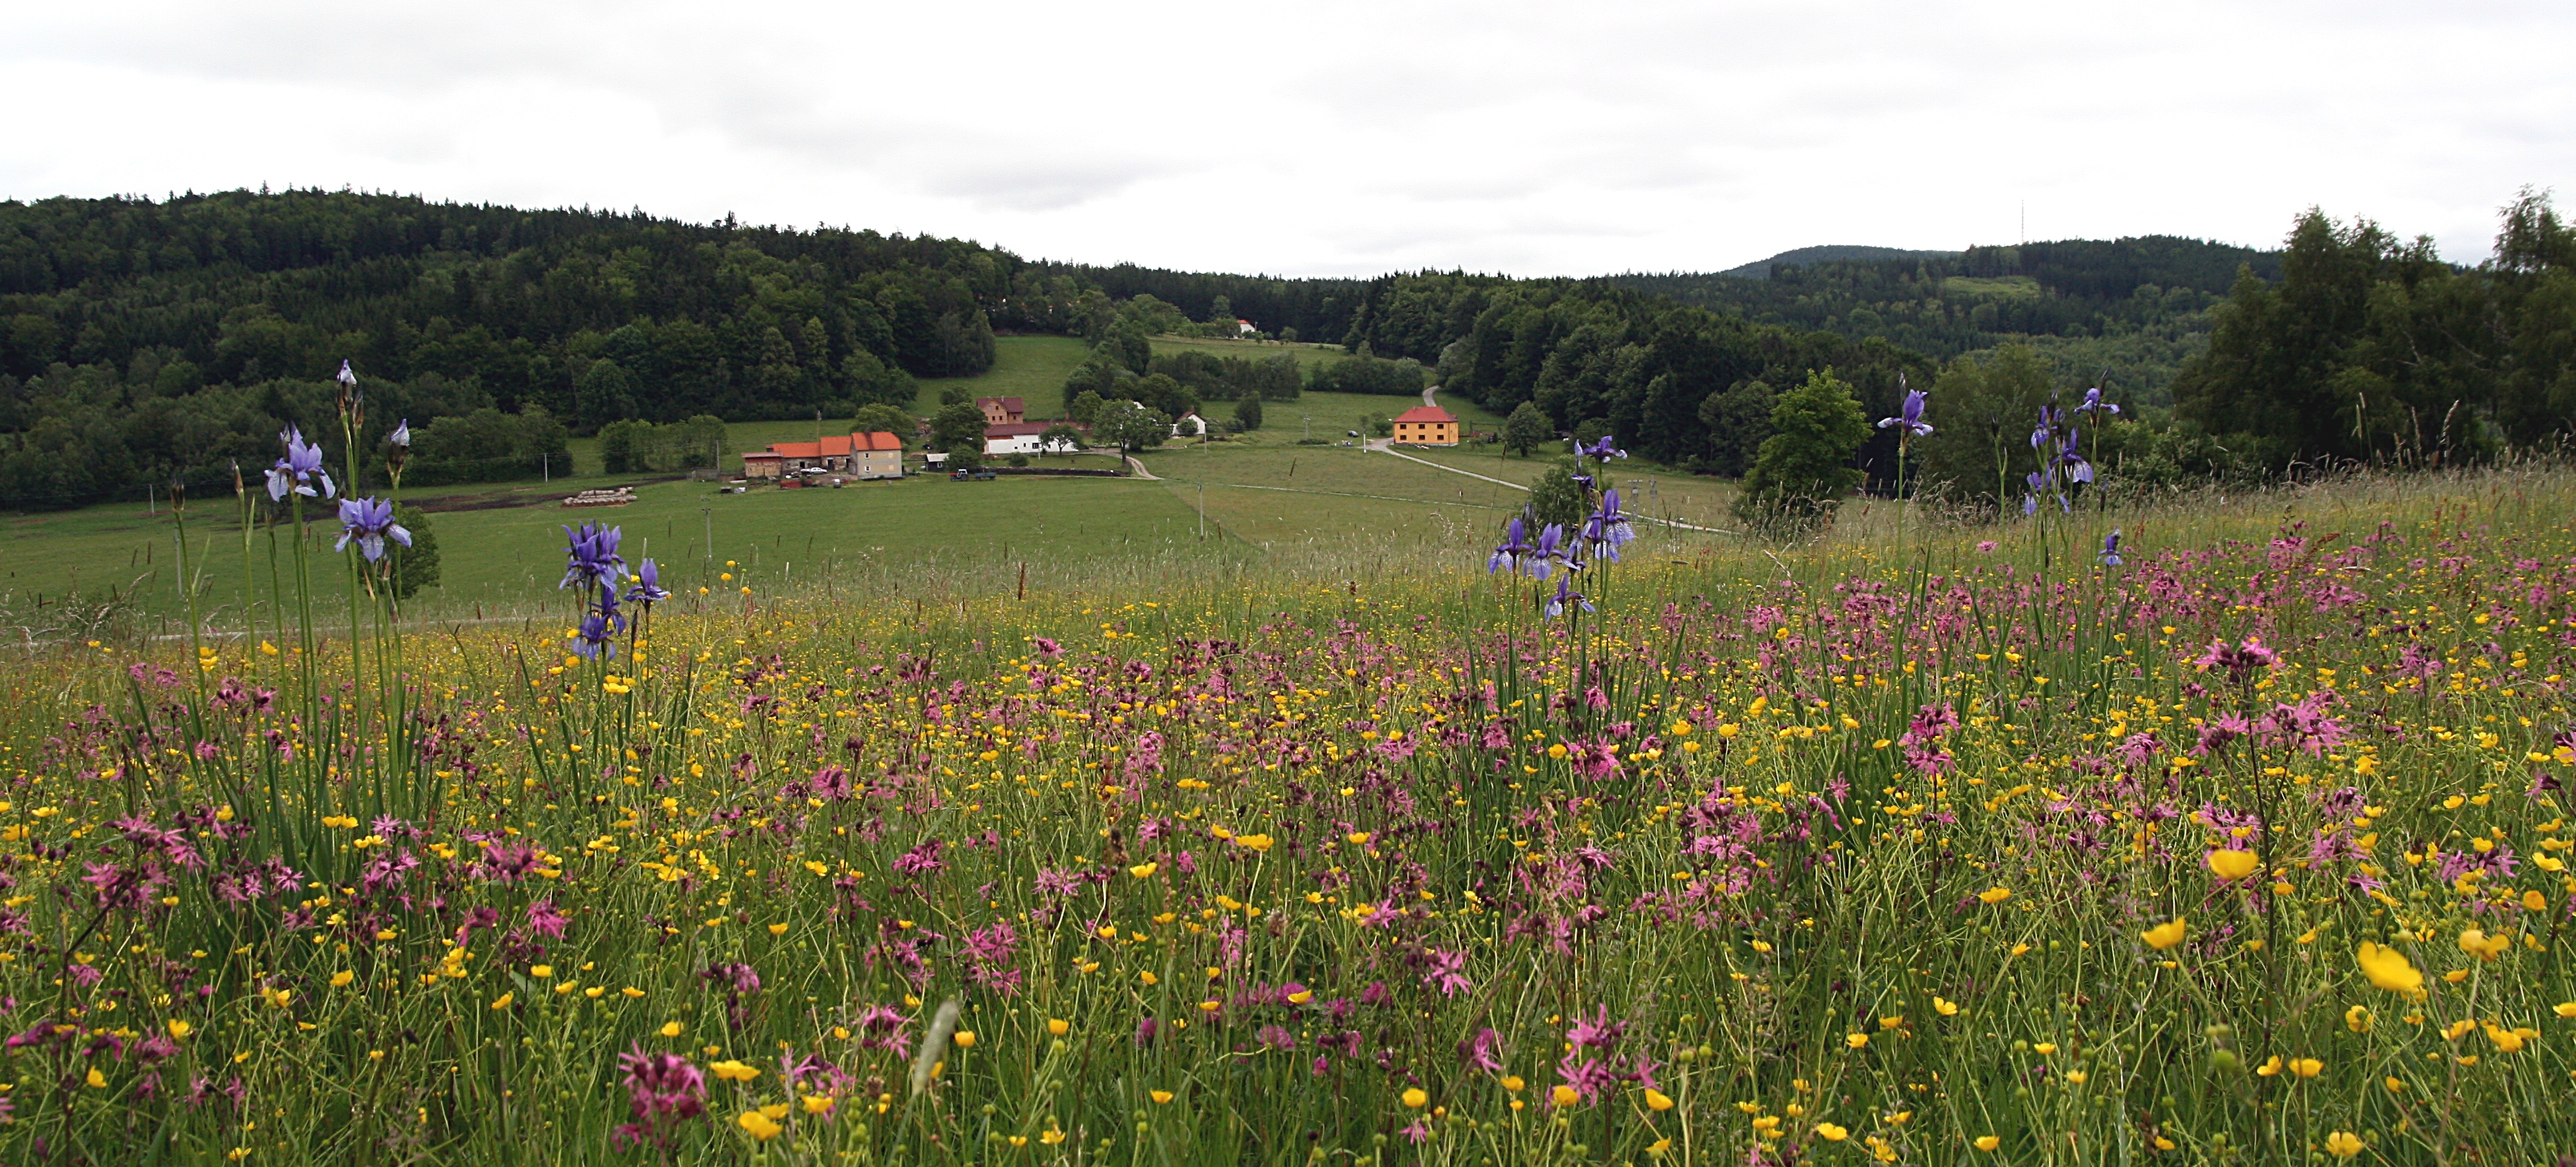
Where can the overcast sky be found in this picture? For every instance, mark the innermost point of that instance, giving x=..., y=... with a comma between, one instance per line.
x=1320, y=139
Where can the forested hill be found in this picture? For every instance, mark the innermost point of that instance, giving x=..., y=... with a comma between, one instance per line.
x=1760, y=269
x=2137, y=307
x=146, y=337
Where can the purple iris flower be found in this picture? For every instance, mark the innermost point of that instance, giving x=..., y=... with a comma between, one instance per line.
x=1515, y=548
x=347, y=376
x=2055, y=441
x=401, y=435
x=296, y=472
x=1601, y=451
x=2093, y=403
x=600, y=628
x=1566, y=597
x=1909, y=416
x=370, y=521
x=1606, y=530
x=648, y=586
x=2111, y=549
x=591, y=556
x=1545, y=556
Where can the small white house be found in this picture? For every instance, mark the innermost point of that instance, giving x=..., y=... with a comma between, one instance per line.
x=1189, y=425
x=1244, y=327
x=1028, y=437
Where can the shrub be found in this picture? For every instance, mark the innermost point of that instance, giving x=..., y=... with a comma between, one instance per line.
x=1804, y=468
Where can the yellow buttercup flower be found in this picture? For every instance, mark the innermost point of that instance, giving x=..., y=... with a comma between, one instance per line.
x=1415, y=1098
x=818, y=1103
x=1564, y=1096
x=1945, y=1008
x=2343, y=1144
x=672, y=1029
x=1856, y=1040
x=2389, y=969
x=1142, y=870
x=179, y=1028
x=732, y=1071
x=2306, y=1067
x=761, y=1126
x=341, y=979
x=1995, y=895
x=2233, y=865
x=2477, y=943
x=1658, y=1100
x=2165, y=935
x=1058, y=1026
x=1987, y=1142
x=1159, y=1096
x=1831, y=1133
x=965, y=1039
x=2357, y=1019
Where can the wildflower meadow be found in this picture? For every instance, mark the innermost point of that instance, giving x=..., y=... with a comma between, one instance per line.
x=2101, y=836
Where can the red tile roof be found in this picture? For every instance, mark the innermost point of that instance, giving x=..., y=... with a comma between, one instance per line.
x=1425, y=413
x=1008, y=404
x=1013, y=429
x=837, y=445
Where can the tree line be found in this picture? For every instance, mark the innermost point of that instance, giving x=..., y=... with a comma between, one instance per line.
x=142, y=338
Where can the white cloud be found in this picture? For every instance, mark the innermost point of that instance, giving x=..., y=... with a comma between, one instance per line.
x=1340, y=138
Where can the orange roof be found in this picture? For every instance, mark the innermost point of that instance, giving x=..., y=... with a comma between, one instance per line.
x=1425, y=413
x=837, y=445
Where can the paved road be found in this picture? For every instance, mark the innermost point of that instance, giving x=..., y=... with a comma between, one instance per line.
x=1387, y=446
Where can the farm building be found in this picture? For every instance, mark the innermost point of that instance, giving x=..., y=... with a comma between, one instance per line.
x=1426, y=425
x=878, y=454
x=1003, y=410
x=1023, y=437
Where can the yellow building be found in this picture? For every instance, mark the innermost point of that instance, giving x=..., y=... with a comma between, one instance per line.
x=1426, y=425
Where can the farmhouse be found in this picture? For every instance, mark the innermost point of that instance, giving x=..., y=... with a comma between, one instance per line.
x=876, y=454
x=1002, y=410
x=1023, y=437
x=1426, y=425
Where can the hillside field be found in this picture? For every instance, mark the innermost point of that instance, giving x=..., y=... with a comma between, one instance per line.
x=1264, y=495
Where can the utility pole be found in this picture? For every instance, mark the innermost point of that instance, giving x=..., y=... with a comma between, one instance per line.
x=546, y=467
x=1310, y=427
x=709, y=514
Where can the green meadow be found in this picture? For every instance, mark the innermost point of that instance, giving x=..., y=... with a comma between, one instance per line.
x=1234, y=504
